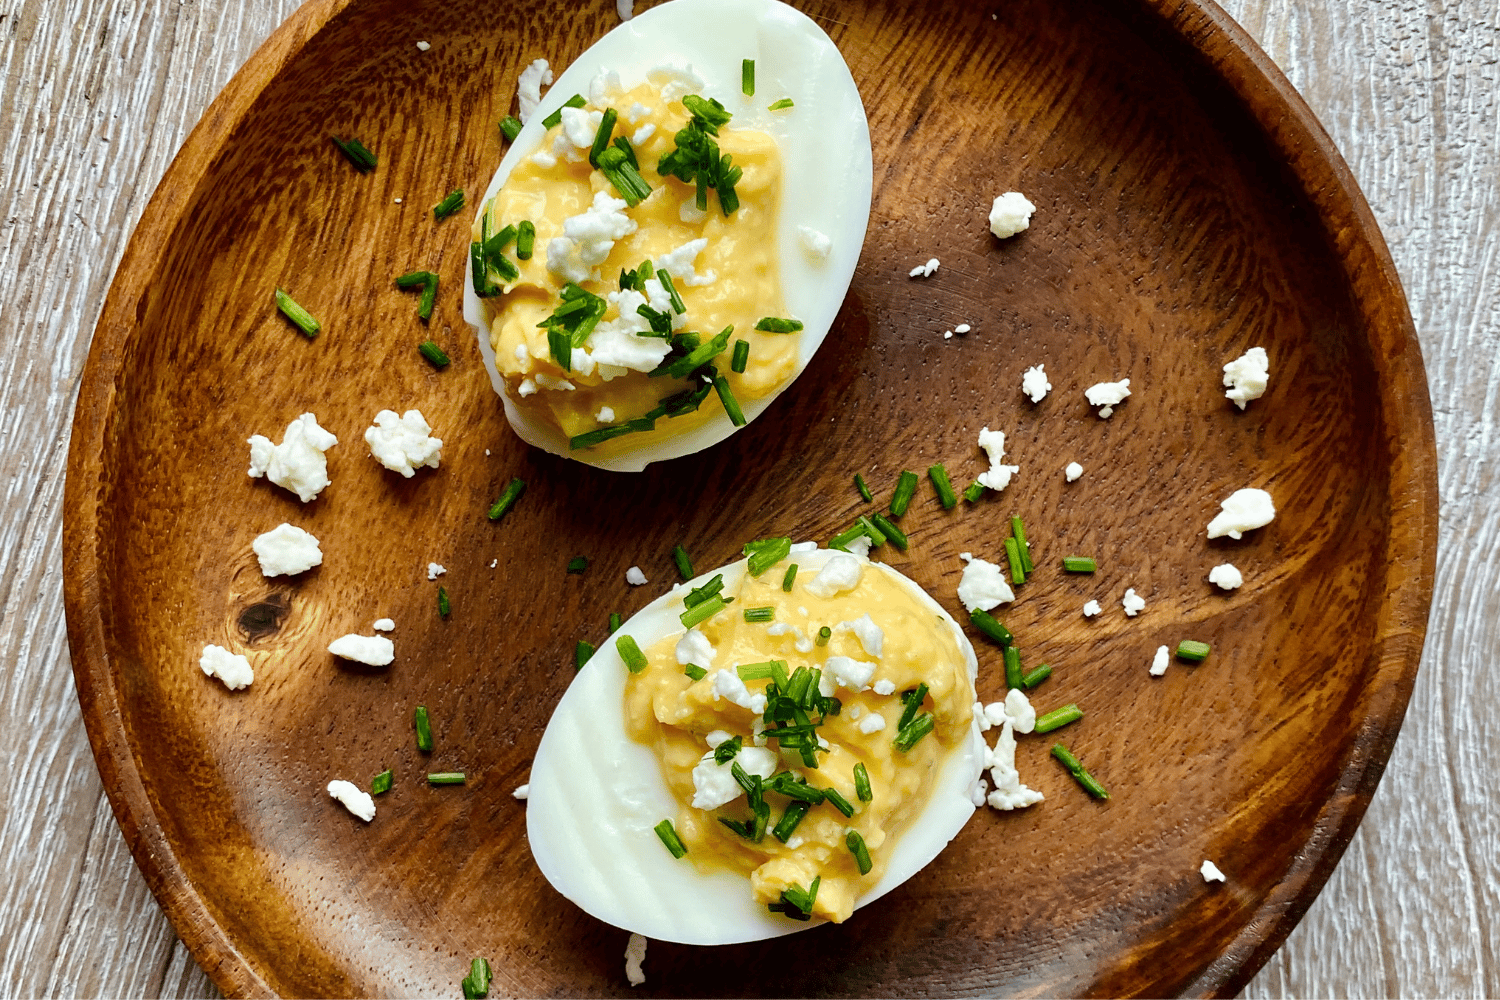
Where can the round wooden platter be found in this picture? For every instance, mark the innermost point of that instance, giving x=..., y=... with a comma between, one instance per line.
x=1189, y=207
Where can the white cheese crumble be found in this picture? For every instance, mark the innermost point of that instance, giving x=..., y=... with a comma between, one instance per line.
x=965, y=328
x=983, y=585
x=639, y=137
x=231, y=668
x=870, y=635
x=589, y=237
x=373, y=650
x=1245, y=510
x=872, y=723
x=286, y=550
x=1160, y=661
x=1210, y=872
x=1034, y=383
x=526, y=388
x=714, y=784
x=580, y=125
x=635, y=948
x=1072, y=471
x=616, y=345
x=804, y=547
x=529, y=87
x=384, y=625
x=977, y=792
x=925, y=270
x=1010, y=214
x=1134, y=603
x=625, y=8
x=727, y=684
x=679, y=264
x=354, y=799
x=297, y=463
x=847, y=672
x=423, y=46
x=606, y=415
x=522, y=792
x=694, y=647
x=998, y=476
x=717, y=736
x=403, y=444
x=1246, y=376
x=801, y=642
x=1009, y=793
x=885, y=687
x=1019, y=711
x=947, y=334
x=815, y=243
x=553, y=382
x=635, y=577
x=1107, y=395
x=859, y=546
x=435, y=570
x=841, y=572
x=1226, y=576
x=1091, y=609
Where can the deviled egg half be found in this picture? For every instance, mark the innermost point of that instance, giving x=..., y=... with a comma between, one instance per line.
x=768, y=746
x=661, y=253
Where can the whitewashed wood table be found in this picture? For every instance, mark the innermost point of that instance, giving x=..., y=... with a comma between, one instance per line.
x=95, y=99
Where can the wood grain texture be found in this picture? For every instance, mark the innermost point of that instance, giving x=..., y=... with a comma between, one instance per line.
x=1407, y=90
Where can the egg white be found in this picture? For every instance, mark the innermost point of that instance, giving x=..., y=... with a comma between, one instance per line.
x=825, y=148
x=596, y=796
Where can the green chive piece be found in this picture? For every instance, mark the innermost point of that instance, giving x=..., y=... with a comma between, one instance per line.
x=698, y=595
x=670, y=839
x=906, y=488
x=771, y=324
x=864, y=490
x=796, y=903
x=428, y=283
x=602, y=136
x=381, y=783
x=362, y=158
x=614, y=622
x=843, y=538
x=912, y=700
x=433, y=353
x=684, y=564
x=747, y=77
x=986, y=623
x=795, y=811
x=1013, y=673
x=833, y=798
x=1034, y=677
x=452, y=203
x=618, y=165
x=300, y=317
x=874, y=534
x=759, y=671
x=525, y=239
x=671, y=290
x=944, y=487
x=508, y=499
x=1192, y=651
x=555, y=118
x=1013, y=556
x=912, y=734
x=823, y=635
x=476, y=985
x=1089, y=783
x=856, y=845
x=1079, y=564
x=635, y=660
x=694, y=671
x=582, y=653
x=731, y=405
x=862, y=783
x=703, y=611
x=446, y=778
x=893, y=534
x=765, y=553
x=578, y=564
x=974, y=492
x=510, y=127
x=741, y=357
x=1023, y=547
x=760, y=615
x=781, y=105
x=1057, y=718
x=424, y=729
x=789, y=579
x=444, y=607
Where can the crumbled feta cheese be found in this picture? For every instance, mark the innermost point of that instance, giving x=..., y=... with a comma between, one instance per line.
x=588, y=237
x=977, y=792
x=994, y=714
x=606, y=415
x=1107, y=395
x=604, y=85
x=544, y=159
x=981, y=718
x=1226, y=576
x=635, y=948
x=1034, y=383
x=636, y=112
x=423, y=46
x=403, y=444
x=859, y=546
x=841, y=572
x=1134, y=603
x=523, y=357
x=617, y=345
x=1160, y=661
x=717, y=736
x=998, y=477
x=925, y=270
x=286, y=550
x=804, y=547
x=870, y=635
x=885, y=687
x=494, y=563
x=398, y=201
x=553, y=382
x=384, y=625
x=801, y=642
x=581, y=125
x=1246, y=376
x=635, y=577
x=1091, y=609
x=526, y=388
x=1073, y=471
x=639, y=137
x=1210, y=872
x=354, y=799
x=231, y=668
x=1019, y=711
x=983, y=585
x=714, y=784
x=522, y=792
x=947, y=334
x=1009, y=793
x=815, y=243
x=679, y=264
x=872, y=723
x=964, y=328
x=848, y=672
x=1245, y=510
x=435, y=570
x=297, y=463
x=727, y=684
x=695, y=648
x=1010, y=214
x=529, y=87
x=373, y=650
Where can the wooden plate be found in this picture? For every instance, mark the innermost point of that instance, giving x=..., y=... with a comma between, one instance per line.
x=1189, y=207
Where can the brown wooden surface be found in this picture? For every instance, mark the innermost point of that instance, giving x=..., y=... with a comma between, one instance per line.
x=1173, y=232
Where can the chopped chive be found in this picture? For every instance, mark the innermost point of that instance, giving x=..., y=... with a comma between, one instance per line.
x=741, y=356
x=578, y=564
x=757, y=615
x=510, y=127
x=476, y=985
x=1192, y=650
x=747, y=77
x=780, y=105
x=862, y=783
x=731, y=405
x=428, y=283
x=702, y=612
x=614, y=622
x=912, y=700
x=694, y=671
x=433, y=353
x=765, y=553
x=1023, y=547
x=893, y=534
x=795, y=788
x=726, y=751
x=635, y=660
x=771, y=324
x=623, y=145
x=300, y=317
x=911, y=735
x=602, y=136
x=446, y=778
x=789, y=579
x=582, y=653
x=452, y=203
x=796, y=903
x=414, y=279
x=759, y=671
x=698, y=595
x=424, y=729
x=671, y=290
x=525, y=239
x=618, y=165
x=684, y=564
x=823, y=635
x=843, y=538
x=1034, y=677
x=1013, y=556
x=670, y=839
x=864, y=490
x=867, y=526
x=444, y=607
x=362, y=158
x=986, y=623
x=974, y=491
x=1057, y=718
x=906, y=488
x=833, y=798
x=944, y=487
x=381, y=783
x=856, y=845
x=795, y=811
x=1079, y=564
x=1076, y=769
x=555, y=118
x=508, y=499
x=1013, y=673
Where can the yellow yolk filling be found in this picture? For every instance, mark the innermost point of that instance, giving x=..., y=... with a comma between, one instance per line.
x=668, y=711
x=741, y=251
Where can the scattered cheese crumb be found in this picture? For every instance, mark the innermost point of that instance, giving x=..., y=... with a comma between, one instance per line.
x=1091, y=609
x=1210, y=872
x=679, y=263
x=423, y=46
x=846, y=672
x=977, y=792
x=1107, y=395
x=1226, y=576
x=1073, y=471
x=1246, y=376
x=694, y=647
x=1009, y=793
x=1244, y=510
x=1017, y=708
x=998, y=476
x=870, y=635
x=925, y=270
x=1159, y=663
x=286, y=550
x=983, y=585
x=494, y=563
x=635, y=577
x=606, y=415
x=398, y=201
x=297, y=463
x=714, y=784
x=589, y=236
x=859, y=546
x=402, y=444
x=727, y=684
x=872, y=723
x=947, y=334
x=373, y=650
x=522, y=792
x=962, y=328
x=231, y=668
x=354, y=799
x=435, y=570
x=1010, y=214
x=885, y=687
x=625, y=8
x=815, y=243
x=840, y=573
x=1134, y=603
x=529, y=87
x=1034, y=383
x=384, y=625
